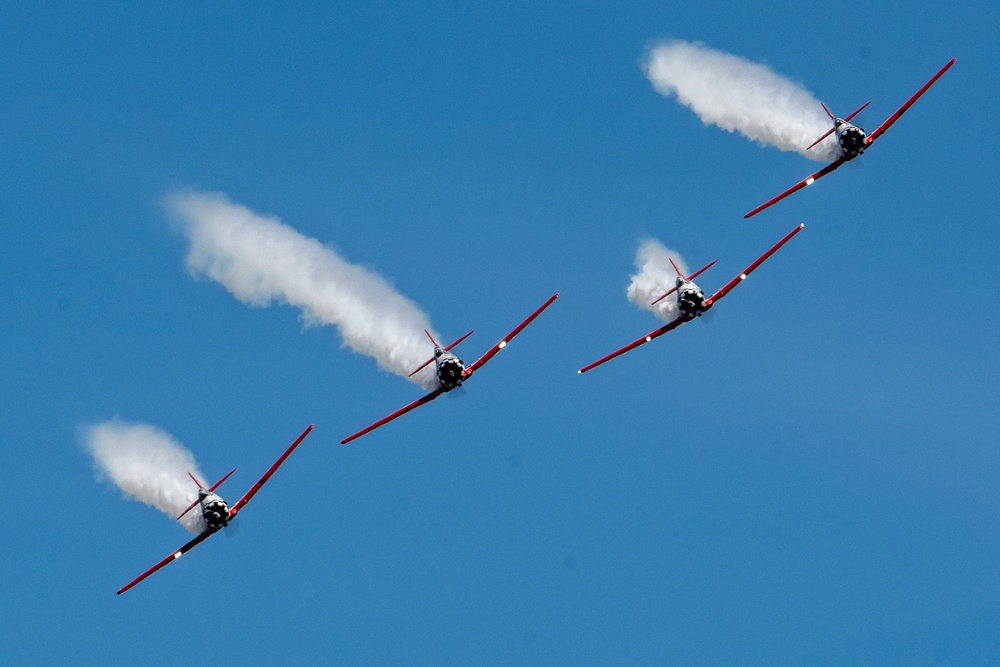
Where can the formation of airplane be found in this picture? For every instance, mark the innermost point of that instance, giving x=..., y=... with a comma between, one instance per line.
x=691, y=301
x=851, y=139
x=215, y=511
x=450, y=370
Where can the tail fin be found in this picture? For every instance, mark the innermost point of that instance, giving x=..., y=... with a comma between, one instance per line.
x=200, y=486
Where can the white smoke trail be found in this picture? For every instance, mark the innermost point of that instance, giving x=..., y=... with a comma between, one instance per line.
x=148, y=465
x=737, y=94
x=260, y=260
x=655, y=277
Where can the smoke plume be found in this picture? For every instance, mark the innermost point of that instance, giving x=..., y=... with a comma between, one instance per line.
x=737, y=94
x=147, y=465
x=260, y=260
x=654, y=278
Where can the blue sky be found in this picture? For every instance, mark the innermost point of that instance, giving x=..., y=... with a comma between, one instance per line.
x=807, y=477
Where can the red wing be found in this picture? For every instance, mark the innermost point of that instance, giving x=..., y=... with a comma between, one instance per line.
x=636, y=343
x=506, y=339
x=798, y=186
x=402, y=411
x=169, y=559
x=894, y=117
x=270, y=471
x=710, y=301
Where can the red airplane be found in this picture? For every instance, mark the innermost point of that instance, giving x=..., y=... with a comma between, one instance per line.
x=691, y=301
x=852, y=140
x=215, y=511
x=451, y=371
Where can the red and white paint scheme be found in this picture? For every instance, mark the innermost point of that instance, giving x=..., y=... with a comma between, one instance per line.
x=451, y=371
x=691, y=301
x=216, y=512
x=852, y=140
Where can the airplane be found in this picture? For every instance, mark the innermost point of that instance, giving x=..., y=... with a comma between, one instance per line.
x=691, y=301
x=852, y=140
x=451, y=371
x=216, y=512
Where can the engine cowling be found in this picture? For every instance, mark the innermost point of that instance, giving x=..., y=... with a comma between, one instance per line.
x=215, y=512
x=450, y=372
x=852, y=140
x=690, y=300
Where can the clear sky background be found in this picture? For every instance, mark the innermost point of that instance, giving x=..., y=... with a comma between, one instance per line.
x=808, y=477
